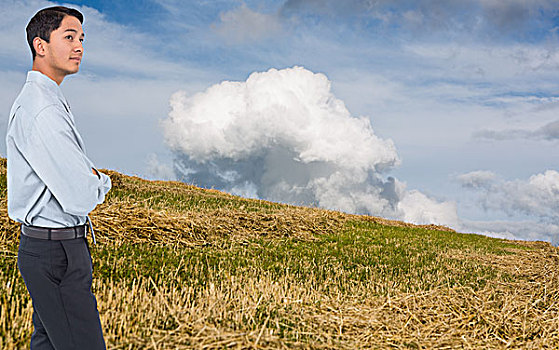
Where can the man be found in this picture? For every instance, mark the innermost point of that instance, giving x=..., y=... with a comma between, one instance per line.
x=52, y=187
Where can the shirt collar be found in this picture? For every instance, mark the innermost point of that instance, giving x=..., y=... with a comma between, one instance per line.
x=46, y=82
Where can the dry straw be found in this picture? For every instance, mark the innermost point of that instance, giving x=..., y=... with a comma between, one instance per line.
x=256, y=310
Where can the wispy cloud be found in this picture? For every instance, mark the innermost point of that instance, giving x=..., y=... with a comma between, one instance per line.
x=537, y=197
x=15, y=50
x=243, y=25
x=484, y=19
x=479, y=179
x=118, y=50
x=531, y=205
x=520, y=229
x=549, y=132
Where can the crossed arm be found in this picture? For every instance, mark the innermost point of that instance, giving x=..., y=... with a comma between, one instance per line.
x=53, y=151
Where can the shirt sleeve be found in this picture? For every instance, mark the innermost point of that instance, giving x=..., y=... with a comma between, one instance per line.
x=53, y=152
x=105, y=179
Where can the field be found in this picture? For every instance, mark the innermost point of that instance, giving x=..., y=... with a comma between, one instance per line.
x=178, y=267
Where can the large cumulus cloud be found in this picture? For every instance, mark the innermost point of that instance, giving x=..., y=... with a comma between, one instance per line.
x=282, y=135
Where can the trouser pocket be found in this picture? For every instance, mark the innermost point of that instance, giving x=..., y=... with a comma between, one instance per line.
x=58, y=262
x=34, y=259
x=80, y=265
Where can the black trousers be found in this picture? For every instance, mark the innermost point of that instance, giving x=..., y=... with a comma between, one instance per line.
x=58, y=276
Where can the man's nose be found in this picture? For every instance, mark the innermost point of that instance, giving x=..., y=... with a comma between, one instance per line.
x=79, y=47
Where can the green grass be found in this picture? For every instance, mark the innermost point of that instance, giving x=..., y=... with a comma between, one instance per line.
x=363, y=254
x=163, y=197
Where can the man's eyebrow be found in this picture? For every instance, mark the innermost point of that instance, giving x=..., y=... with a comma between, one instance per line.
x=73, y=30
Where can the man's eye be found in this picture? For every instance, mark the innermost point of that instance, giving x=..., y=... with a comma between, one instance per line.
x=81, y=40
x=69, y=37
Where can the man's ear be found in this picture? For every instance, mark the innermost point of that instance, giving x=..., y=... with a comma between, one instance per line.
x=39, y=46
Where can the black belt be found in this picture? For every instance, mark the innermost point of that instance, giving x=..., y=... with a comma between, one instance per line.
x=55, y=234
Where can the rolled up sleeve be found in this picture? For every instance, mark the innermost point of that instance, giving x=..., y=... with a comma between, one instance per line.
x=53, y=152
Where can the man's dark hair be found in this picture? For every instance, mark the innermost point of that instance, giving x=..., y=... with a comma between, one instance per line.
x=46, y=21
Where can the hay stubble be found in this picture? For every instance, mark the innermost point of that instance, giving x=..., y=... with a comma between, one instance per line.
x=180, y=267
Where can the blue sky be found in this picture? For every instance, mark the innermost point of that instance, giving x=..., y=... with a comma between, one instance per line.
x=468, y=91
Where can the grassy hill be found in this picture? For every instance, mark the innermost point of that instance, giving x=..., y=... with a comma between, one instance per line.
x=178, y=267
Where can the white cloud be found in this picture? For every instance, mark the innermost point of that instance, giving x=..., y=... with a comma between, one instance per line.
x=414, y=18
x=419, y=209
x=282, y=135
x=242, y=25
x=520, y=62
x=549, y=132
x=509, y=15
x=481, y=19
x=477, y=179
x=121, y=50
x=518, y=230
x=292, y=107
x=156, y=169
x=531, y=205
x=12, y=28
x=537, y=197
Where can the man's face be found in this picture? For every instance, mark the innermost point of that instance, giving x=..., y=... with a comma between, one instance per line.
x=64, y=52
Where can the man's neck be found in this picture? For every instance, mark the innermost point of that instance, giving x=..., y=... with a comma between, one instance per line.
x=37, y=66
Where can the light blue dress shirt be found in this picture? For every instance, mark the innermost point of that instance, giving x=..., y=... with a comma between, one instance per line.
x=50, y=181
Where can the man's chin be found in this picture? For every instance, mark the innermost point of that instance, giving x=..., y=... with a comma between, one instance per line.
x=72, y=71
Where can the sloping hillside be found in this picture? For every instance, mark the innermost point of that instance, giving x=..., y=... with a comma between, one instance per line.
x=177, y=266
